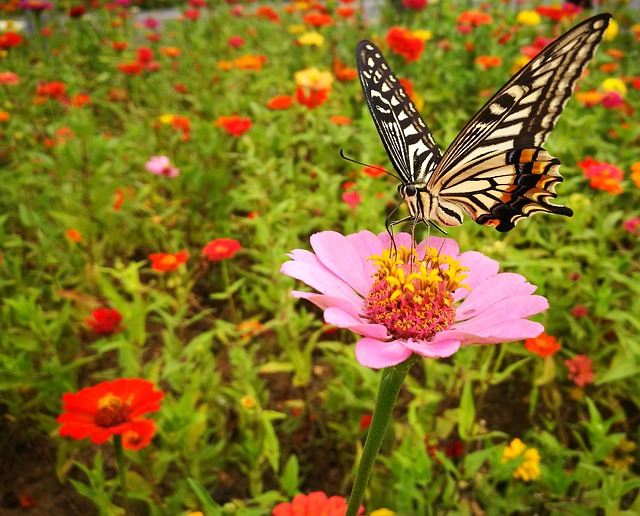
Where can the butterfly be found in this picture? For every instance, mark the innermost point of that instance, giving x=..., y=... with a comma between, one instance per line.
x=496, y=170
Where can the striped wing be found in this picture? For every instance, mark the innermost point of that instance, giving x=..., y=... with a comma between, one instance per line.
x=405, y=136
x=495, y=169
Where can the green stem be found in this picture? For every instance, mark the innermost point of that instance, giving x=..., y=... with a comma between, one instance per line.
x=390, y=384
x=117, y=443
x=227, y=283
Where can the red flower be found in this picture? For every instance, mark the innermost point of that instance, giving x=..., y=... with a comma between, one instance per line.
x=131, y=67
x=352, y=199
x=318, y=19
x=111, y=408
x=234, y=125
x=416, y=5
x=374, y=170
x=602, y=175
x=365, y=421
x=144, y=54
x=167, y=262
x=105, y=321
x=280, y=102
x=543, y=345
x=580, y=370
x=312, y=98
x=77, y=12
x=403, y=42
x=221, y=249
x=268, y=13
x=313, y=504
x=52, y=90
x=10, y=39
x=486, y=62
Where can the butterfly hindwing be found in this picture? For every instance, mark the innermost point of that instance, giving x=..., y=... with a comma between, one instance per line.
x=406, y=137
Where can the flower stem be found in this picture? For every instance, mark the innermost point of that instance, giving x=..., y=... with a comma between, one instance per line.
x=117, y=443
x=390, y=384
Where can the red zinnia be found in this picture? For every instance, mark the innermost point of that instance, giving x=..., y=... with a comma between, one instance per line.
x=374, y=170
x=403, y=42
x=167, y=262
x=52, y=90
x=105, y=321
x=144, y=54
x=543, y=345
x=312, y=98
x=234, y=124
x=220, y=249
x=10, y=39
x=280, y=102
x=111, y=408
x=318, y=19
x=313, y=504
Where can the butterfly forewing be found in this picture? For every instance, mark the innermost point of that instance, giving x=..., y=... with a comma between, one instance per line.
x=406, y=137
x=526, y=109
x=495, y=170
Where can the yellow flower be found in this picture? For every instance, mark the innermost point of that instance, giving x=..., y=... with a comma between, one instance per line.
x=530, y=468
x=311, y=38
x=381, y=512
x=620, y=457
x=612, y=31
x=166, y=119
x=296, y=29
x=423, y=35
x=528, y=18
x=518, y=63
x=313, y=79
x=614, y=84
x=248, y=402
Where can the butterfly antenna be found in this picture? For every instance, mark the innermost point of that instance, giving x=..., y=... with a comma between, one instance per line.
x=347, y=158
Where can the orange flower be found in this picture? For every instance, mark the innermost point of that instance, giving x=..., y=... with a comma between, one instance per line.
x=486, y=62
x=543, y=345
x=474, y=18
x=4, y=116
x=609, y=67
x=589, y=98
x=250, y=62
x=635, y=173
x=617, y=54
x=340, y=120
x=233, y=124
x=225, y=65
x=73, y=235
x=167, y=262
x=170, y=51
x=80, y=100
x=345, y=12
x=343, y=72
x=404, y=43
x=280, y=102
x=111, y=408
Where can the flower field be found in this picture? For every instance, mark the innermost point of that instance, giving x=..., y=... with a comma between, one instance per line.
x=200, y=303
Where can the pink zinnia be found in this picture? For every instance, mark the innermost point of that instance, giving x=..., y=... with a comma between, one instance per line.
x=161, y=166
x=430, y=301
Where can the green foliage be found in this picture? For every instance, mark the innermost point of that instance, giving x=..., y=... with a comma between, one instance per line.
x=263, y=400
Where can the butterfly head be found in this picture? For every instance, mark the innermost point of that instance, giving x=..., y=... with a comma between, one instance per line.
x=423, y=206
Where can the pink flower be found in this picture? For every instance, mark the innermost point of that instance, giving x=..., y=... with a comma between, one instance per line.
x=632, y=225
x=409, y=302
x=236, y=41
x=161, y=166
x=580, y=370
x=151, y=23
x=352, y=199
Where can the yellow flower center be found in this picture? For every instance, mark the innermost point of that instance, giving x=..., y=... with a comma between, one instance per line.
x=411, y=297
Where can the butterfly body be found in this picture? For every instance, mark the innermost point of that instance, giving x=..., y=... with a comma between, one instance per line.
x=495, y=171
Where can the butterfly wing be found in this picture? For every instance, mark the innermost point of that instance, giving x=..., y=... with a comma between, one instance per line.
x=405, y=136
x=495, y=169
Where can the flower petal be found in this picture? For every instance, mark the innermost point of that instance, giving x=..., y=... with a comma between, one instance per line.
x=343, y=319
x=378, y=354
x=343, y=258
x=444, y=347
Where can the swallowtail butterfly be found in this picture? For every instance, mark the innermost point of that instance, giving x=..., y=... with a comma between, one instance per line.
x=495, y=170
